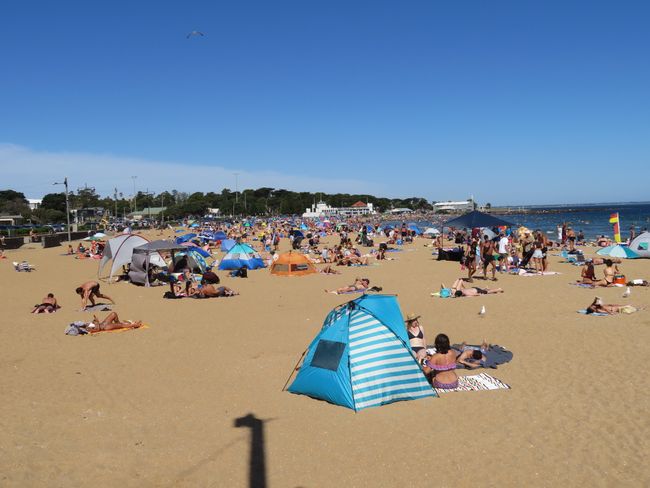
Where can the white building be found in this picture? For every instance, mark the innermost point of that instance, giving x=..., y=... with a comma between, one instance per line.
x=34, y=203
x=321, y=209
x=462, y=206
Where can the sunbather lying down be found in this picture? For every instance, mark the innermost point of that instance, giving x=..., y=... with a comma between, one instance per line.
x=112, y=321
x=359, y=285
x=210, y=291
x=461, y=289
x=598, y=306
x=47, y=305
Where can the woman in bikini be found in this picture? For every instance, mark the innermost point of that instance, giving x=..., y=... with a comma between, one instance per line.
x=360, y=284
x=112, y=321
x=416, y=336
x=460, y=289
x=588, y=274
x=597, y=306
x=610, y=271
x=443, y=364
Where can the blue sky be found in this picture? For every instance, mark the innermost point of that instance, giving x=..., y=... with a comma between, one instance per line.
x=509, y=101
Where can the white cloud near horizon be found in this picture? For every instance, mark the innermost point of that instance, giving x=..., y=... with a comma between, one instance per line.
x=33, y=172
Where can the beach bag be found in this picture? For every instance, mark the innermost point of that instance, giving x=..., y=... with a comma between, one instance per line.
x=445, y=292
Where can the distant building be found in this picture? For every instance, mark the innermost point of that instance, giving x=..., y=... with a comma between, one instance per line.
x=461, y=206
x=403, y=210
x=12, y=220
x=89, y=214
x=34, y=203
x=146, y=213
x=321, y=209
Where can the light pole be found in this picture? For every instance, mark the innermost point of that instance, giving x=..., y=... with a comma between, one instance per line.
x=236, y=193
x=135, y=201
x=67, y=205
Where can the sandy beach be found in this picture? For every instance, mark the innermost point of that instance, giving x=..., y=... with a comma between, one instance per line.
x=160, y=406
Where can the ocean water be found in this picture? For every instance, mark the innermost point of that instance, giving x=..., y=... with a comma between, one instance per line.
x=593, y=220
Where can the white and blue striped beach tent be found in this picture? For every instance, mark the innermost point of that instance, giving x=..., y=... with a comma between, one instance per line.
x=241, y=256
x=361, y=357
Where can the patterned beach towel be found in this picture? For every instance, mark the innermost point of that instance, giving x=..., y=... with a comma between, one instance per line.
x=476, y=382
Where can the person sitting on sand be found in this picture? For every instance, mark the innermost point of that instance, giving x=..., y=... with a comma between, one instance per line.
x=112, y=321
x=588, y=274
x=460, y=289
x=360, y=284
x=415, y=334
x=442, y=364
x=48, y=305
x=597, y=306
x=70, y=249
x=329, y=270
x=603, y=241
x=210, y=291
x=88, y=292
x=610, y=271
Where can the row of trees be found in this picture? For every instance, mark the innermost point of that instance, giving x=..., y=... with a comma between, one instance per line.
x=262, y=201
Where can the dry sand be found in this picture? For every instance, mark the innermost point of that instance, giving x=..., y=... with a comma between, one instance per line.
x=158, y=407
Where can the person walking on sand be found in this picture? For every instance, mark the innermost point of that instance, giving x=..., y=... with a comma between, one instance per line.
x=88, y=292
x=488, y=256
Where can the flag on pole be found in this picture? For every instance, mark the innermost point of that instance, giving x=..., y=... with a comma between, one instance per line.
x=613, y=219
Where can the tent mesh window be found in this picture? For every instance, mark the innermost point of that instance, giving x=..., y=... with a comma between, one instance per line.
x=280, y=267
x=328, y=355
x=299, y=267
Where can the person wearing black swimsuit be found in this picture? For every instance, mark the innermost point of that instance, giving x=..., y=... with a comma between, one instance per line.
x=416, y=336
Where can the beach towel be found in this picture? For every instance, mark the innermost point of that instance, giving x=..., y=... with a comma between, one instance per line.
x=523, y=272
x=583, y=285
x=476, y=382
x=98, y=307
x=597, y=314
x=122, y=329
x=494, y=355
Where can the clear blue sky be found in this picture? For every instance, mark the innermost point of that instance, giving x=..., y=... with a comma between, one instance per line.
x=513, y=102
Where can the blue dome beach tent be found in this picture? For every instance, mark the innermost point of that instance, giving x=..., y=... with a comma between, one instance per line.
x=241, y=256
x=641, y=245
x=361, y=357
x=226, y=244
x=219, y=235
x=618, y=251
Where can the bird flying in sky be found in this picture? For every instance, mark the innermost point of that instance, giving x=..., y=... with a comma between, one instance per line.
x=195, y=33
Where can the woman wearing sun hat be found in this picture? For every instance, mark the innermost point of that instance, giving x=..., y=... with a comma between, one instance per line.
x=416, y=336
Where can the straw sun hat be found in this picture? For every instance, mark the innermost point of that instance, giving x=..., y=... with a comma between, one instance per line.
x=411, y=317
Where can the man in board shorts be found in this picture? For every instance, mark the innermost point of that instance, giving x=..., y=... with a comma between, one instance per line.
x=90, y=291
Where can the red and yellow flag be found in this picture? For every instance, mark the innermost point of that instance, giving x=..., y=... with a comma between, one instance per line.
x=614, y=219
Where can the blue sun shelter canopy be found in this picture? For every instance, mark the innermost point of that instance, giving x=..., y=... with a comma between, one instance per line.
x=219, y=235
x=185, y=238
x=362, y=358
x=241, y=256
x=415, y=228
x=618, y=251
x=476, y=219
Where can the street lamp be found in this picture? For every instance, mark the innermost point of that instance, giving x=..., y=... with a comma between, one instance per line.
x=135, y=202
x=67, y=205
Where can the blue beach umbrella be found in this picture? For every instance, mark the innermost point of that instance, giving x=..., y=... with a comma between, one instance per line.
x=618, y=251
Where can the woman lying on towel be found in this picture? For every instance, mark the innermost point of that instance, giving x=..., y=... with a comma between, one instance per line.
x=461, y=289
x=112, y=321
x=210, y=291
x=598, y=306
x=359, y=285
x=442, y=365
